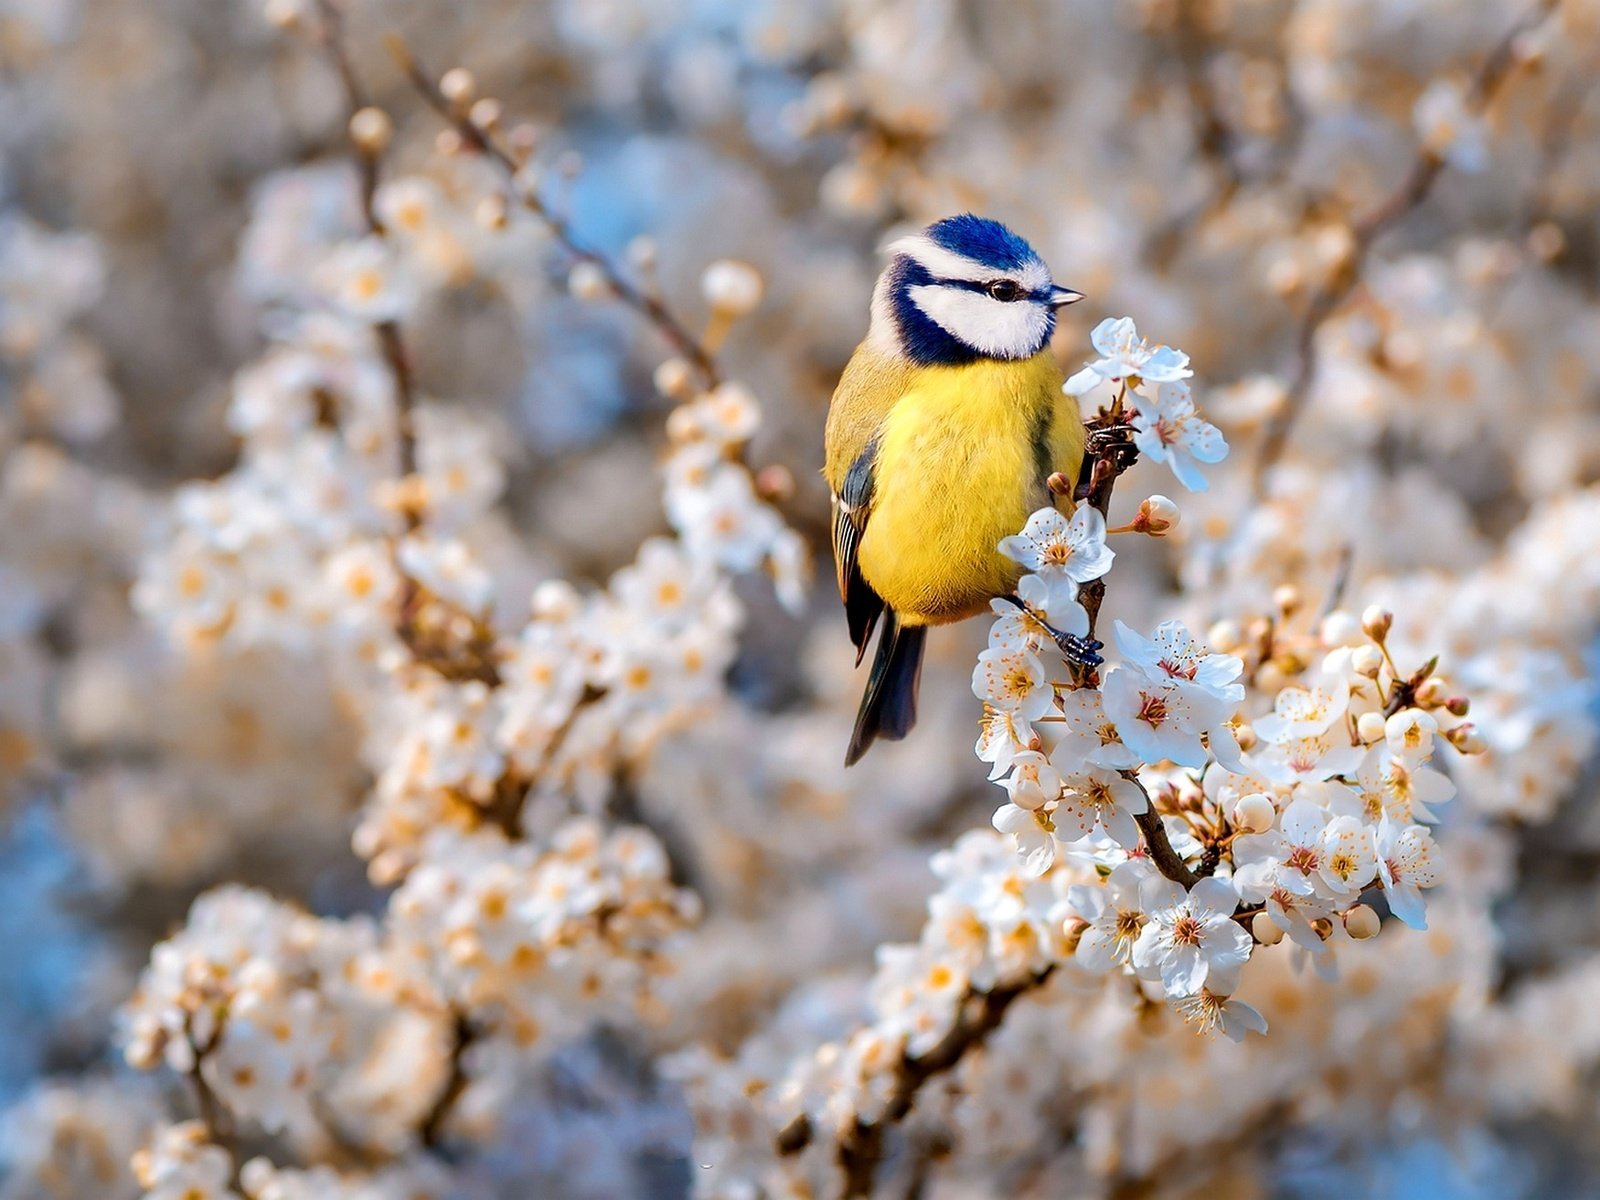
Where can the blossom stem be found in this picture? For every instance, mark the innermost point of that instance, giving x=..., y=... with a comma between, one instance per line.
x=1108, y=454
x=463, y=1034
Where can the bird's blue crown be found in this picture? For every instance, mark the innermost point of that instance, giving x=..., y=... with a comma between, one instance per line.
x=967, y=288
x=983, y=241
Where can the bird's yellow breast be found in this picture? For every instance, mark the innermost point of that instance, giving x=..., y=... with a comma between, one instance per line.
x=962, y=460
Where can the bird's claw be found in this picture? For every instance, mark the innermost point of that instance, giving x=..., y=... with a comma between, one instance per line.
x=1079, y=651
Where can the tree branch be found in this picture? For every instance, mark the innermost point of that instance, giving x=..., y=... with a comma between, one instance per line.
x=483, y=140
x=1497, y=68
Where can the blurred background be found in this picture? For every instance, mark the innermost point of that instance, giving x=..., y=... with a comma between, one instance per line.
x=1234, y=174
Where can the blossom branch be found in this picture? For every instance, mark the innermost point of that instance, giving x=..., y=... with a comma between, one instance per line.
x=1109, y=451
x=861, y=1149
x=1497, y=68
x=477, y=136
x=368, y=155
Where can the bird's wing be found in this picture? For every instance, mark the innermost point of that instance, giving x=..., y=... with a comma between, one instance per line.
x=852, y=507
x=868, y=389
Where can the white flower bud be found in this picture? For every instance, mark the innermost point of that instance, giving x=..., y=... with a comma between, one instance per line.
x=1370, y=727
x=486, y=113
x=1467, y=739
x=285, y=14
x=1286, y=599
x=1339, y=628
x=1271, y=678
x=1265, y=930
x=731, y=287
x=587, y=281
x=556, y=600
x=1361, y=922
x=674, y=378
x=1254, y=813
x=642, y=252
x=1366, y=660
x=1376, y=622
x=490, y=212
x=1225, y=637
x=371, y=130
x=458, y=86
x=1157, y=516
x=1431, y=692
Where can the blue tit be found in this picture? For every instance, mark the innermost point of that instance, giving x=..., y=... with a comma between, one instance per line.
x=941, y=437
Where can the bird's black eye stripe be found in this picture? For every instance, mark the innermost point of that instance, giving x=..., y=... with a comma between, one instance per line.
x=1005, y=290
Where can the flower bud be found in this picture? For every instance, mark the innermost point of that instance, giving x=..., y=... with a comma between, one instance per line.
x=1157, y=516
x=1458, y=706
x=1366, y=660
x=1431, y=692
x=1245, y=735
x=285, y=14
x=371, y=130
x=1467, y=739
x=486, y=113
x=674, y=379
x=490, y=212
x=1072, y=930
x=458, y=86
x=1254, y=813
x=1225, y=637
x=775, y=482
x=1339, y=628
x=1286, y=599
x=1376, y=622
x=642, y=252
x=523, y=139
x=1270, y=677
x=1361, y=922
x=1265, y=930
x=448, y=143
x=732, y=288
x=556, y=600
x=1370, y=727
x=587, y=281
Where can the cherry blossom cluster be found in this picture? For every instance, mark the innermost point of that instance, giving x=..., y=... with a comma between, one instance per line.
x=356, y=529
x=1170, y=815
x=409, y=459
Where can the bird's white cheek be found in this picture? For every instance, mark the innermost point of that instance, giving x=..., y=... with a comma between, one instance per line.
x=989, y=326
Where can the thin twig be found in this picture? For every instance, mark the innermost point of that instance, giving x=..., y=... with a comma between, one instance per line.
x=484, y=141
x=213, y=1113
x=1497, y=68
x=390, y=341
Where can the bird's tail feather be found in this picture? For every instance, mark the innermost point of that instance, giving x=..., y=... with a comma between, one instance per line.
x=889, y=707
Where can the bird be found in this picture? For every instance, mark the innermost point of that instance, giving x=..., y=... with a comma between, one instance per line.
x=942, y=436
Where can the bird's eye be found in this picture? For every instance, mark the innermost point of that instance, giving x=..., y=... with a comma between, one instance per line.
x=1004, y=289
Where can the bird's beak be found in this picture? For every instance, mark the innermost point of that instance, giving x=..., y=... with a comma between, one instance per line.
x=1060, y=297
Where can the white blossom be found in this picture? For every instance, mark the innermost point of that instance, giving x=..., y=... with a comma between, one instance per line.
x=1188, y=934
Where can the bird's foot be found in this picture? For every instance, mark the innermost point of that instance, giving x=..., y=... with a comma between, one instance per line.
x=1079, y=651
